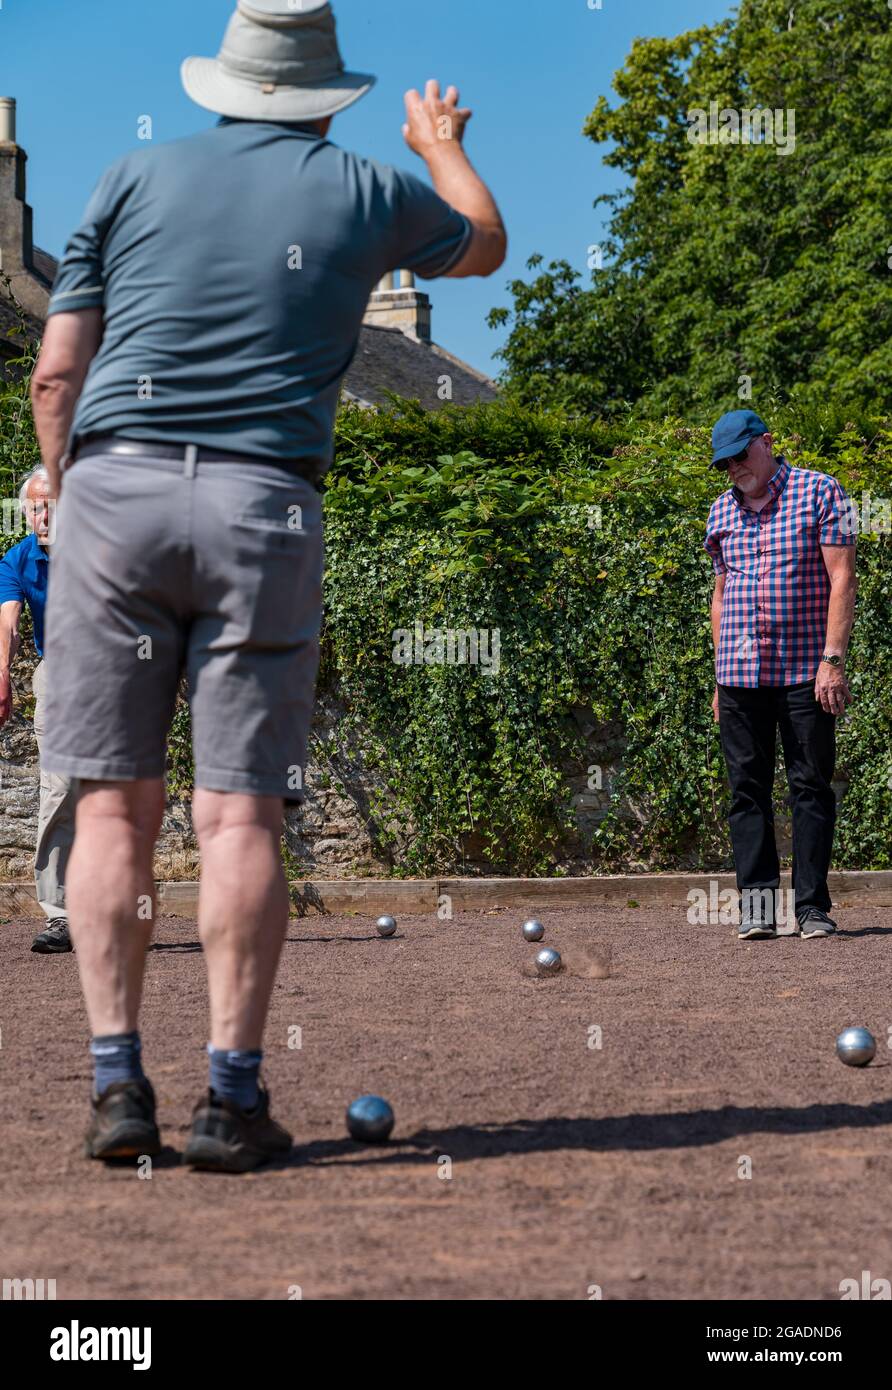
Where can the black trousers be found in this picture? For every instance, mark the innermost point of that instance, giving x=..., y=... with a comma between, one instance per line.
x=748, y=724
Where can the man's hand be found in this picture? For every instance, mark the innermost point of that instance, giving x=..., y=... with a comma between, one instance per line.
x=435, y=130
x=715, y=706
x=832, y=688
x=434, y=123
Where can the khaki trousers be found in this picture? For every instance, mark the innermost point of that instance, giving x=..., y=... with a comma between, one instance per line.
x=55, y=820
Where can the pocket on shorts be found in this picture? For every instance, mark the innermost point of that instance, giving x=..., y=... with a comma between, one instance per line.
x=279, y=504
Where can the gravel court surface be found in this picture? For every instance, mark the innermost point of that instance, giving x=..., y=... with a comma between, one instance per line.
x=527, y=1161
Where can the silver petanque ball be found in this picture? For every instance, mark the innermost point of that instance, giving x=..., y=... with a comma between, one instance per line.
x=533, y=930
x=386, y=926
x=856, y=1047
x=548, y=961
x=370, y=1119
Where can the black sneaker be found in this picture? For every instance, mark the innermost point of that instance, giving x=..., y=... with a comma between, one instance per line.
x=226, y=1139
x=123, y=1122
x=54, y=939
x=814, y=922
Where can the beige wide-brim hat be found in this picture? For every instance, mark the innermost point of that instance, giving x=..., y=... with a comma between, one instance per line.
x=280, y=61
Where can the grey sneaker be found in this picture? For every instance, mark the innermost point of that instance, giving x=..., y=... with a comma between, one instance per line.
x=814, y=922
x=753, y=923
x=751, y=931
x=54, y=939
x=757, y=914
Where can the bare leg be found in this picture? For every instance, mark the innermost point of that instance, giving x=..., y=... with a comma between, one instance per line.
x=110, y=896
x=242, y=909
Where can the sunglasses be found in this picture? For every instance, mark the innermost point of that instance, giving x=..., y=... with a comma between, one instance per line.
x=735, y=458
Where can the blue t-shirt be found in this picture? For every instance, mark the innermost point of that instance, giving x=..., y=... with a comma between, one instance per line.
x=24, y=572
x=234, y=268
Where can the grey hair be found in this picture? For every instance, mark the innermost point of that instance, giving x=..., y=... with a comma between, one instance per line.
x=38, y=472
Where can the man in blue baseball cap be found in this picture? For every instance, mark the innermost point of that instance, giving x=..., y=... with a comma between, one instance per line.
x=782, y=542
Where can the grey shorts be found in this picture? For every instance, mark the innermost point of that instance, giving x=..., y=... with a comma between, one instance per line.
x=161, y=568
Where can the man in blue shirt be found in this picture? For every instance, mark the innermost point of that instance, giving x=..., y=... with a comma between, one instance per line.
x=201, y=323
x=24, y=573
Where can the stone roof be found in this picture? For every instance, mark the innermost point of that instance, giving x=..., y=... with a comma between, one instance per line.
x=387, y=359
x=11, y=347
x=45, y=265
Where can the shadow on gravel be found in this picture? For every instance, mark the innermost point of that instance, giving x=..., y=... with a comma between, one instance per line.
x=184, y=947
x=691, y=1129
x=335, y=940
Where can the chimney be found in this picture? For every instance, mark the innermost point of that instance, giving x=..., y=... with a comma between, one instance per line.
x=16, y=237
x=396, y=303
x=7, y=120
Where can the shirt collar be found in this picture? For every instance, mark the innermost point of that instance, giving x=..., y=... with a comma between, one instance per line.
x=776, y=484
x=299, y=127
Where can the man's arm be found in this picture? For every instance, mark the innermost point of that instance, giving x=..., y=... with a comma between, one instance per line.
x=718, y=595
x=10, y=612
x=70, y=342
x=435, y=130
x=831, y=686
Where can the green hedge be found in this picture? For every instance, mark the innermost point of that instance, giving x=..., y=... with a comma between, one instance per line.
x=581, y=543
x=490, y=518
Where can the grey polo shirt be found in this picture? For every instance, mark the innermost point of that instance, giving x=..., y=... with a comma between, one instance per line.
x=233, y=269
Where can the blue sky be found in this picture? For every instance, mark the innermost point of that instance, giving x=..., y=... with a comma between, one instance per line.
x=83, y=72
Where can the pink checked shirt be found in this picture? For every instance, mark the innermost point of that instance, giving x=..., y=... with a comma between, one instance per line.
x=777, y=591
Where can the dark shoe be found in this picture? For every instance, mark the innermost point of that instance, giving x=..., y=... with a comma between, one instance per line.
x=123, y=1123
x=226, y=1139
x=814, y=922
x=54, y=939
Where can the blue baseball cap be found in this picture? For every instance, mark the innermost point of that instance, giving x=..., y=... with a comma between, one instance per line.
x=733, y=433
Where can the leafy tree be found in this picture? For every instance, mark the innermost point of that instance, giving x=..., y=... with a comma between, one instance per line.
x=727, y=261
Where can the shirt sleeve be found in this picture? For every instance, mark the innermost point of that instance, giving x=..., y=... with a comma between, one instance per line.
x=430, y=237
x=837, y=514
x=80, y=279
x=713, y=543
x=10, y=584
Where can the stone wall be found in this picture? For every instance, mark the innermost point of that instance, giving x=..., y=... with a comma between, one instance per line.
x=337, y=833
x=333, y=835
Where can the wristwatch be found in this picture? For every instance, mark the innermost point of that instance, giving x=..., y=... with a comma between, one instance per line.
x=832, y=660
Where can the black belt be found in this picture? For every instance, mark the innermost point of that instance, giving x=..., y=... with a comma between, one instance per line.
x=139, y=448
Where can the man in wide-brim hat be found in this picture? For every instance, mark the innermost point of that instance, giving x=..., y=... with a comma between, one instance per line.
x=215, y=290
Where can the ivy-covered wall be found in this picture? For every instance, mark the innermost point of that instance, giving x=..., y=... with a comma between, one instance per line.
x=580, y=544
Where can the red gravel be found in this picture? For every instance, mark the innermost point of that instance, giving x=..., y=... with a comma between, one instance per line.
x=571, y=1166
